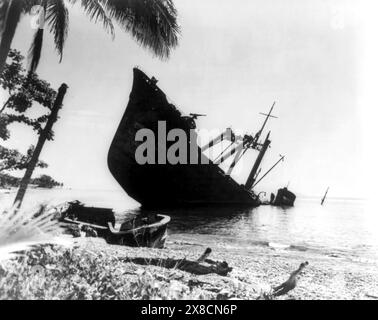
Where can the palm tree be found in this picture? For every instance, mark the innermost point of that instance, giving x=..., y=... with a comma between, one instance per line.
x=152, y=23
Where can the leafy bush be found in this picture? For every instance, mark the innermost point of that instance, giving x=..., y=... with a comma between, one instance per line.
x=52, y=272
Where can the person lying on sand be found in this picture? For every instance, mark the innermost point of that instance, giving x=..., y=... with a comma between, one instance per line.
x=289, y=284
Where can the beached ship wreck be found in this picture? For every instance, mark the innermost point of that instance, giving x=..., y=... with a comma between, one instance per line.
x=202, y=182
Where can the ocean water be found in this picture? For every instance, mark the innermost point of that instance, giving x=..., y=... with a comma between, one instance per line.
x=339, y=228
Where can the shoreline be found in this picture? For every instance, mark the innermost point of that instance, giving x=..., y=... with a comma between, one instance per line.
x=252, y=274
x=92, y=269
x=256, y=267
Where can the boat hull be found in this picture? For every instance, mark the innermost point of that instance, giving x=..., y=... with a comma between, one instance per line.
x=141, y=231
x=152, y=237
x=166, y=185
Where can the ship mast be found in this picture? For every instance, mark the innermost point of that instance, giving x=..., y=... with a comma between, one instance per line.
x=240, y=145
x=252, y=176
x=269, y=115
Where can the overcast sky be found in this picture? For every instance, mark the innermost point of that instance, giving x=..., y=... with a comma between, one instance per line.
x=234, y=60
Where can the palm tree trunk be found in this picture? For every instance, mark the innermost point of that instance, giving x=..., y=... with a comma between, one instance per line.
x=9, y=29
x=3, y=13
x=41, y=140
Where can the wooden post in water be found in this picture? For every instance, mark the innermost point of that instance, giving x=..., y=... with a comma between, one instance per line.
x=324, y=196
x=41, y=140
x=251, y=177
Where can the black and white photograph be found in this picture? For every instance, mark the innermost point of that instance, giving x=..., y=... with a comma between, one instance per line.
x=188, y=150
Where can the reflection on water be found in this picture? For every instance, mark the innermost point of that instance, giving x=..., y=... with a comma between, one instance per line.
x=340, y=227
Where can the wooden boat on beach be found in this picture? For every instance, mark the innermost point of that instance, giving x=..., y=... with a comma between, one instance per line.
x=149, y=235
x=137, y=231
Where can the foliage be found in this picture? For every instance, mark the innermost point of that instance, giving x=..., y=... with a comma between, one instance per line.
x=8, y=181
x=152, y=23
x=11, y=159
x=20, y=229
x=52, y=272
x=11, y=77
x=43, y=181
x=4, y=132
x=23, y=89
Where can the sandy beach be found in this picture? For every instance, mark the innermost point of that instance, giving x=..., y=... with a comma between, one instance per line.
x=256, y=272
x=93, y=269
x=255, y=268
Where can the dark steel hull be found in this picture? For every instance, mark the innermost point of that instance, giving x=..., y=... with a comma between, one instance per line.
x=166, y=185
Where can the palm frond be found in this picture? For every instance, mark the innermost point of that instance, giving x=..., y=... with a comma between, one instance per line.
x=21, y=229
x=152, y=23
x=35, y=49
x=97, y=13
x=57, y=17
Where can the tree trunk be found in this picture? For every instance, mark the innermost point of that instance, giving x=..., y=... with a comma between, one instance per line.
x=41, y=140
x=9, y=29
x=5, y=105
x=3, y=13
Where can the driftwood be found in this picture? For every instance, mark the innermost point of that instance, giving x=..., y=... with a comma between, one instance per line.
x=290, y=283
x=199, y=267
x=204, y=255
x=285, y=287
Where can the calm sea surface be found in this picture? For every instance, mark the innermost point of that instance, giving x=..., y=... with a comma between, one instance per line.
x=341, y=227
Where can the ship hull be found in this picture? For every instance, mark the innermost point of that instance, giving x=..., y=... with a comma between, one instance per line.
x=284, y=198
x=166, y=185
